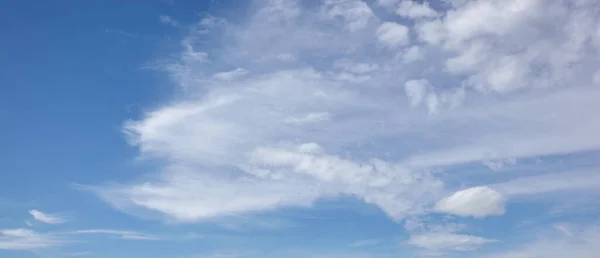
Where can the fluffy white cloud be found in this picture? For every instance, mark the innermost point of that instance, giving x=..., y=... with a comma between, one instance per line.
x=506, y=46
x=355, y=13
x=391, y=34
x=325, y=112
x=414, y=10
x=412, y=54
x=25, y=239
x=416, y=91
x=476, y=201
x=46, y=218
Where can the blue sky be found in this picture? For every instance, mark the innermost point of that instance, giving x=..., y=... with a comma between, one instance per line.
x=293, y=128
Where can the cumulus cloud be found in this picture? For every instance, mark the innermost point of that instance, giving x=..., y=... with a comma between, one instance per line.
x=416, y=91
x=341, y=101
x=391, y=34
x=415, y=10
x=46, y=218
x=476, y=201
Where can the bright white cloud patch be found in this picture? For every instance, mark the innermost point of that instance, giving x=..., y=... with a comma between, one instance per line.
x=477, y=202
x=46, y=218
x=341, y=101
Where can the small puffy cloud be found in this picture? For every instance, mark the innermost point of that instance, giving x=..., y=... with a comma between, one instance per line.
x=355, y=13
x=416, y=90
x=412, y=54
x=25, y=239
x=392, y=35
x=46, y=218
x=309, y=147
x=477, y=202
x=421, y=92
x=414, y=10
x=448, y=242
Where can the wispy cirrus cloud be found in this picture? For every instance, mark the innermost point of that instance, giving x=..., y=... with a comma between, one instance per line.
x=566, y=240
x=123, y=234
x=448, y=242
x=46, y=217
x=166, y=19
x=25, y=239
x=365, y=242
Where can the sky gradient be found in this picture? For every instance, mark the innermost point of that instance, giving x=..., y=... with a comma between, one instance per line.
x=300, y=128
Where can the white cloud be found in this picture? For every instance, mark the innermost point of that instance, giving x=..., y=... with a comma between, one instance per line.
x=412, y=9
x=165, y=19
x=25, y=239
x=324, y=112
x=129, y=235
x=230, y=75
x=584, y=242
x=387, y=3
x=391, y=34
x=582, y=180
x=46, y=218
x=448, y=242
x=243, y=223
x=355, y=13
x=503, y=47
x=477, y=202
x=309, y=118
x=412, y=54
x=416, y=90
x=357, y=68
